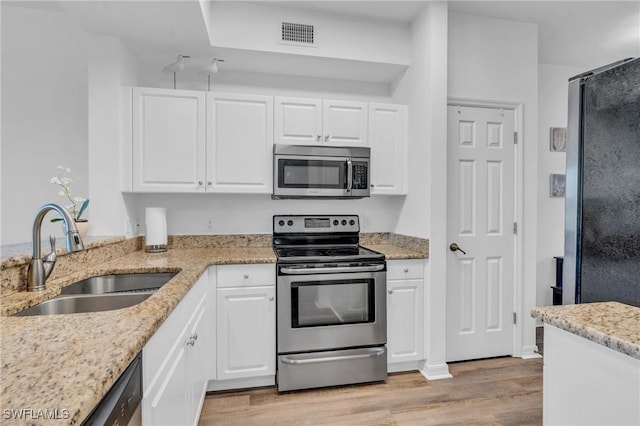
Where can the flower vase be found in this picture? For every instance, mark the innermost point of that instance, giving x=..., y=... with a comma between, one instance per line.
x=83, y=227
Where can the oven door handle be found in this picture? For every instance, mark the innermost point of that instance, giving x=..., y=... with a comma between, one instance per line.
x=370, y=353
x=335, y=270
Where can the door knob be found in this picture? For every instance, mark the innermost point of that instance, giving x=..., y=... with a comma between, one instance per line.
x=454, y=247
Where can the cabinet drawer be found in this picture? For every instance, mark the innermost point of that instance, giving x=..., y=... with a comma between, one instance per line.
x=405, y=269
x=246, y=275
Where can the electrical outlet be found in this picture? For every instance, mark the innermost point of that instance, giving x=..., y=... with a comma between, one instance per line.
x=210, y=223
x=366, y=222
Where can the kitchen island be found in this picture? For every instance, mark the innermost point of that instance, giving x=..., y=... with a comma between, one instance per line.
x=591, y=364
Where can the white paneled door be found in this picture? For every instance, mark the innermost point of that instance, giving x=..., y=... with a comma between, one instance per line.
x=480, y=221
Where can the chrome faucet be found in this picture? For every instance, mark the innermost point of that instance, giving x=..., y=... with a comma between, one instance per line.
x=40, y=268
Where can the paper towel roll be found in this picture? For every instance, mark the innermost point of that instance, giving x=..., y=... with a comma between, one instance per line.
x=156, y=224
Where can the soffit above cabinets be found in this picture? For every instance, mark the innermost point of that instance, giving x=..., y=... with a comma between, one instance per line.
x=308, y=66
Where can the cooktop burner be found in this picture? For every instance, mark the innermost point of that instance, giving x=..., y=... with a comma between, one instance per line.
x=311, y=253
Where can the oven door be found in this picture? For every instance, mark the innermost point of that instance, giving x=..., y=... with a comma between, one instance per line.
x=320, y=176
x=321, y=311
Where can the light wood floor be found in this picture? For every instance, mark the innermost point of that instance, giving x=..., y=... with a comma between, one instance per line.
x=498, y=391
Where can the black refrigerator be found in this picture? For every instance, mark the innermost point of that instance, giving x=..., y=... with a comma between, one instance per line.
x=602, y=215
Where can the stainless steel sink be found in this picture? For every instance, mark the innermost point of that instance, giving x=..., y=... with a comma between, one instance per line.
x=119, y=283
x=74, y=304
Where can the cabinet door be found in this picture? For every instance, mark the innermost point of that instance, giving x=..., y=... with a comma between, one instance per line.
x=298, y=120
x=168, y=140
x=405, y=315
x=169, y=405
x=239, y=143
x=344, y=123
x=198, y=358
x=387, y=139
x=246, y=344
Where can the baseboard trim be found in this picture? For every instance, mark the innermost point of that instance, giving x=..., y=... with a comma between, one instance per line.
x=530, y=352
x=397, y=367
x=435, y=371
x=250, y=382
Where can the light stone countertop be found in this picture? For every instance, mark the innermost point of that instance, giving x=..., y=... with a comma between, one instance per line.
x=68, y=362
x=612, y=324
x=392, y=252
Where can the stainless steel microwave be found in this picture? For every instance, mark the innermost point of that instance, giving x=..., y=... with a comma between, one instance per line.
x=307, y=171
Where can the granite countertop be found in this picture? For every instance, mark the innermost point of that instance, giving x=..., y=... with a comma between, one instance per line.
x=393, y=252
x=68, y=362
x=612, y=324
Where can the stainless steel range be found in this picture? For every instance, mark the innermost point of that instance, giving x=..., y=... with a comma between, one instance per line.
x=331, y=303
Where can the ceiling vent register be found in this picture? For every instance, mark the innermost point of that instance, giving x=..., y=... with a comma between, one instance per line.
x=299, y=34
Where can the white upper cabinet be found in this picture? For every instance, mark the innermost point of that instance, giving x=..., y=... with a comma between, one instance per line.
x=239, y=143
x=189, y=141
x=317, y=121
x=298, y=120
x=345, y=123
x=388, y=142
x=168, y=140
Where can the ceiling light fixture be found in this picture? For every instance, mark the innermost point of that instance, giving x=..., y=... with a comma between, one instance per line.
x=211, y=70
x=175, y=67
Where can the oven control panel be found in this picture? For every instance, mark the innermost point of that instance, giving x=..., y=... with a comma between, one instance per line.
x=292, y=224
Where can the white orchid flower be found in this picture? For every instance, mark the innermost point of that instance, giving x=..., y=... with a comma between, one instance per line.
x=63, y=182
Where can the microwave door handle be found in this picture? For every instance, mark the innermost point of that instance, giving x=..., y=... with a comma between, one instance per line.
x=349, y=175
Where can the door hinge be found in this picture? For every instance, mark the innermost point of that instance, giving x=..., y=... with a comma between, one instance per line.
x=514, y=317
x=515, y=227
x=515, y=137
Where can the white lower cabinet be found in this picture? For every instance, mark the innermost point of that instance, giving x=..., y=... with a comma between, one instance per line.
x=174, y=362
x=405, y=314
x=245, y=326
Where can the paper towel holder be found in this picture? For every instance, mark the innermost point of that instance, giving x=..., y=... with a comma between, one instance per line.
x=156, y=232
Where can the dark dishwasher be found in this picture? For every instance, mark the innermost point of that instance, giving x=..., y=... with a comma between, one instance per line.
x=121, y=405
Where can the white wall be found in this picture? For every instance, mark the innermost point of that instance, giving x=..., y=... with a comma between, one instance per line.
x=44, y=114
x=189, y=214
x=552, y=112
x=112, y=71
x=423, y=87
x=493, y=59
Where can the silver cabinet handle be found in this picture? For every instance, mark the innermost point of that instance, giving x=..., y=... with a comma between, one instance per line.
x=390, y=291
x=326, y=138
x=191, y=341
x=246, y=276
x=195, y=336
x=406, y=270
x=209, y=183
x=318, y=138
x=271, y=298
x=199, y=183
x=370, y=353
x=312, y=271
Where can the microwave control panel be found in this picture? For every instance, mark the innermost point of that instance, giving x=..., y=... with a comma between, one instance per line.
x=360, y=176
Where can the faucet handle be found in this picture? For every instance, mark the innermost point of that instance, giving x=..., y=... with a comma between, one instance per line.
x=51, y=257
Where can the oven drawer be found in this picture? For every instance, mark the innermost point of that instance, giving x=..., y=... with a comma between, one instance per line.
x=245, y=275
x=331, y=368
x=409, y=269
